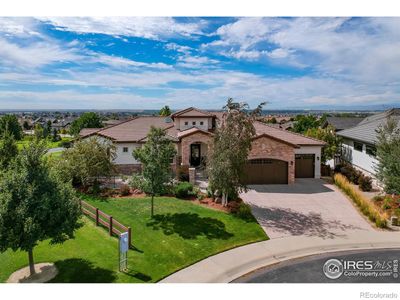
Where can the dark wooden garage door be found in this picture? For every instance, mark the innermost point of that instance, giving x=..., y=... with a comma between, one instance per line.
x=266, y=171
x=304, y=166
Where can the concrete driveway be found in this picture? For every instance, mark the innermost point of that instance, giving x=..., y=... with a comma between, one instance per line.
x=309, y=207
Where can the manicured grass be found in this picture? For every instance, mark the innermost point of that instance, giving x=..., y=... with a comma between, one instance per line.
x=27, y=140
x=180, y=234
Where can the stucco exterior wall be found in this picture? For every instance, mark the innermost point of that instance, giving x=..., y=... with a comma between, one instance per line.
x=265, y=147
x=316, y=150
x=125, y=157
x=190, y=121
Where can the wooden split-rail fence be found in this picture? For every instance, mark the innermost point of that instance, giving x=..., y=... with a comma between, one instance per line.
x=101, y=218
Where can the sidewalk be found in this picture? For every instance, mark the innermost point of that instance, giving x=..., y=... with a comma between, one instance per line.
x=231, y=264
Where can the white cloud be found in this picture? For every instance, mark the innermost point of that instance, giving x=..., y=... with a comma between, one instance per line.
x=367, y=49
x=145, y=27
x=35, y=54
x=18, y=26
x=195, y=62
x=121, y=62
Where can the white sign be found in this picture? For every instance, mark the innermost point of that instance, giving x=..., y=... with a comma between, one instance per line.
x=124, y=242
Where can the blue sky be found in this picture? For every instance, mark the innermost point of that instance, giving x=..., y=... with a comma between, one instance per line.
x=145, y=63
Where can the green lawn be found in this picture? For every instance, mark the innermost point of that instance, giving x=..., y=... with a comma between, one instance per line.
x=180, y=234
x=27, y=139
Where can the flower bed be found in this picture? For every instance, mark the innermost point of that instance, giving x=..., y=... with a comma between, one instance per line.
x=367, y=207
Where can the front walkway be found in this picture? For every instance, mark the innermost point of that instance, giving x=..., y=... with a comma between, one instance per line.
x=309, y=207
x=232, y=264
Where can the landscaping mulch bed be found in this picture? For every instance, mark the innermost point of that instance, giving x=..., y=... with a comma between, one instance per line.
x=210, y=203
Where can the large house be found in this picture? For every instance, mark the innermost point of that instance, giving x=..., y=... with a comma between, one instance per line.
x=358, y=145
x=277, y=156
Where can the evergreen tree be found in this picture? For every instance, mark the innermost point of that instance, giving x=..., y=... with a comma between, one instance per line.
x=388, y=156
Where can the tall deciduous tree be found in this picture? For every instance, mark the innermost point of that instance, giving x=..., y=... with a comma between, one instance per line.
x=35, y=204
x=388, y=156
x=327, y=135
x=10, y=123
x=86, y=120
x=305, y=122
x=88, y=160
x=155, y=156
x=165, y=111
x=230, y=149
x=8, y=150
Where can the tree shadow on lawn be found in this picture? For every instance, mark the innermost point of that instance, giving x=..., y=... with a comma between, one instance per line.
x=78, y=270
x=190, y=226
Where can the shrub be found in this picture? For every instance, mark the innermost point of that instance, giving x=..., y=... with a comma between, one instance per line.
x=182, y=173
x=95, y=188
x=124, y=190
x=64, y=144
x=387, y=203
x=366, y=207
x=350, y=173
x=244, y=212
x=365, y=183
x=378, y=198
x=200, y=196
x=183, y=189
x=397, y=212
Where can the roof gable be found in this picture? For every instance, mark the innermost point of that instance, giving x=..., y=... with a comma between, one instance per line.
x=288, y=137
x=191, y=112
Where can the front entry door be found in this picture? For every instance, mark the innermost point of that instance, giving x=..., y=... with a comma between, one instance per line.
x=195, y=155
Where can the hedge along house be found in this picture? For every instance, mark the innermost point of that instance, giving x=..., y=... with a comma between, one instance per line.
x=277, y=156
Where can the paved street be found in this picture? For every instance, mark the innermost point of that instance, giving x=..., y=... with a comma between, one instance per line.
x=310, y=269
x=309, y=207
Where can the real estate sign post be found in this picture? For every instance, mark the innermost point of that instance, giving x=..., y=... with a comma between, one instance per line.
x=123, y=251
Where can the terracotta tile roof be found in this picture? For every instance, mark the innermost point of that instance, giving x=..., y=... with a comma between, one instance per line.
x=88, y=131
x=191, y=112
x=136, y=130
x=133, y=130
x=191, y=131
x=286, y=136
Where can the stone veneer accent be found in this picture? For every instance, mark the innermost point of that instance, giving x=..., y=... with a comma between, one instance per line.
x=265, y=147
x=190, y=139
x=192, y=175
x=128, y=169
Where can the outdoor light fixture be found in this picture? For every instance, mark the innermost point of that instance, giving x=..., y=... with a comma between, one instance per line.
x=317, y=157
x=291, y=162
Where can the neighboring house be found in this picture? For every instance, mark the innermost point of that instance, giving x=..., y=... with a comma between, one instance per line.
x=342, y=123
x=359, y=141
x=277, y=156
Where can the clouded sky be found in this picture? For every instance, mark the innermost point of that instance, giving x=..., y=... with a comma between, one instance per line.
x=139, y=63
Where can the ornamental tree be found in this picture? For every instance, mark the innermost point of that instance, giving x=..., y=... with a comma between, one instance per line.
x=155, y=156
x=327, y=135
x=388, y=154
x=35, y=204
x=230, y=149
x=165, y=111
x=86, y=120
x=88, y=160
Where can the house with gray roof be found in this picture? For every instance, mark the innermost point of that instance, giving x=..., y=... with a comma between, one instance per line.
x=277, y=156
x=359, y=142
x=342, y=123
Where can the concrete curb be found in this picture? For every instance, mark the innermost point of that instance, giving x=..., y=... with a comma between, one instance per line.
x=229, y=265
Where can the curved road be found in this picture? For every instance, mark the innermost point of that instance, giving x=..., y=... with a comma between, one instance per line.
x=310, y=269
